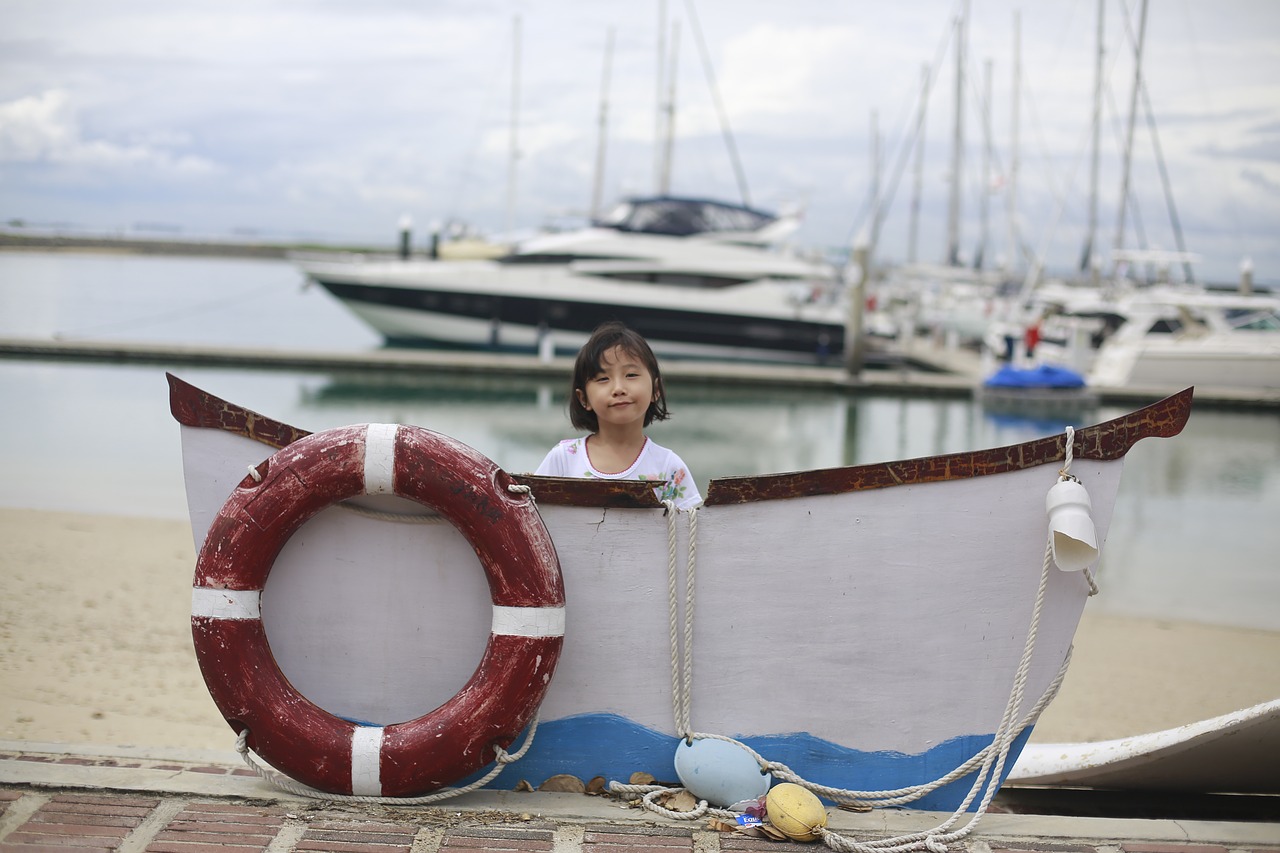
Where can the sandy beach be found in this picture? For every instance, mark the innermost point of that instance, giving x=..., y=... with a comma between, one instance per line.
x=95, y=647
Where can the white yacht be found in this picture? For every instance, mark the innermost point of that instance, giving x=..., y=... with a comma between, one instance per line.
x=697, y=278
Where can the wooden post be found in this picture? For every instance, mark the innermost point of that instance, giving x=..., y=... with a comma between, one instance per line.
x=856, y=274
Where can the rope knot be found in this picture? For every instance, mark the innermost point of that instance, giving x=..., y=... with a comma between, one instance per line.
x=934, y=845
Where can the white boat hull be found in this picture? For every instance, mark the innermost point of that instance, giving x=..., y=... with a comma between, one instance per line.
x=867, y=638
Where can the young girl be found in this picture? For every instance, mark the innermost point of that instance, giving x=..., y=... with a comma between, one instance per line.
x=617, y=392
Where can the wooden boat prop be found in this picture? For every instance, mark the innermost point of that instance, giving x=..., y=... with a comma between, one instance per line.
x=1232, y=753
x=861, y=625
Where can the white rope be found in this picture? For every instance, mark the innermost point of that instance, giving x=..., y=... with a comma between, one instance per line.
x=989, y=761
x=406, y=517
x=503, y=758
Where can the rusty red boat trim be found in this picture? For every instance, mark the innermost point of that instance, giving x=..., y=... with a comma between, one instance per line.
x=195, y=407
x=525, y=586
x=192, y=406
x=1109, y=440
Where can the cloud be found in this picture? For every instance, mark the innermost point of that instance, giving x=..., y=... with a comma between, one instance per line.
x=1256, y=178
x=44, y=129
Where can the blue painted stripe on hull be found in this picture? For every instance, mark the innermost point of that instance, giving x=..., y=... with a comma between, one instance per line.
x=614, y=747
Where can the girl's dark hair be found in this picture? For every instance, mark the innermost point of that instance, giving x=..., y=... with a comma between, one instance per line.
x=588, y=364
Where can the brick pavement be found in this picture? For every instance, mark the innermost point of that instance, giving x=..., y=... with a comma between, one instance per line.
x=70, y=814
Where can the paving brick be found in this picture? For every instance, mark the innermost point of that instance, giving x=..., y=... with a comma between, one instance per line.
x=515, y=833
x=109, y=800
x=1043, y=847
x=53, y=842
x=343, y=845
x=183, y=847
x=355, y=835
x=78, y=822
x=1160, y=847
x=83, y=819
x=12, y=846
x=111, y=809
x=210, y=808
x=500, y=838
x=637, y=842
x=256, y=840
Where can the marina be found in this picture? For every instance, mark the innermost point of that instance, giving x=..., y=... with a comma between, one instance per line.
x=509, y=405
x=284, y=569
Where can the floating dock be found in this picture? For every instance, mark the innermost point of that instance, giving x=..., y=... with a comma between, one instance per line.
x=925, y=370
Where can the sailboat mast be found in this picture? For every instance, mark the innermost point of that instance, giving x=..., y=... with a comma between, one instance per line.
x=1011, y=200
x=957, y=144
x=1086, y=258
x=987, y=142
x=668, y=143
x=597, y=185
x=876, y=201
x=659, y=107
x=1133, y=115
x=515, y=123
x=918, y=178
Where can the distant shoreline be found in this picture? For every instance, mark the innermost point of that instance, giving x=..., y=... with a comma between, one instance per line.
x=163, y=246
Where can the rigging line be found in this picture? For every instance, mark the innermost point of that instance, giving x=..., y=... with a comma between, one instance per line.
x=870, y=206
x=169, y=314
x=715, y=97
x=1161, y=166
x=1130, y=194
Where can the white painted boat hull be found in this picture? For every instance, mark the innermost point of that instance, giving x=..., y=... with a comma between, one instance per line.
x=1235, y=753
x=868, y=639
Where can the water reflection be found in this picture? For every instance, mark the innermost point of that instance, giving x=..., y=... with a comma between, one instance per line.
x=1193, y=536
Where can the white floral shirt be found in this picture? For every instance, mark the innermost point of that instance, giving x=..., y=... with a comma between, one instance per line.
x=655, y=462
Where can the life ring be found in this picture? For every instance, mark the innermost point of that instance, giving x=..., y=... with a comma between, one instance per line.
x=303, y=740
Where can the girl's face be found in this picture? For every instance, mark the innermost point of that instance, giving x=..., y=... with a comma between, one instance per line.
x=620, y=393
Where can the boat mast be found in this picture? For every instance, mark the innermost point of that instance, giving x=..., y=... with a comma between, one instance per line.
x=918, y=178
x=1086, y=258
x=668, y=143
x=597, y=186
x=515, y=123
x=874, y=239
x=1011, y=201
x=957, y=144
x=658, y=113
x=1128, y=139
x=985, y=197
x=725, y=129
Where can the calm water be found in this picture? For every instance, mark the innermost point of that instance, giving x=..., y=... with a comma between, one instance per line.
x=1195, y=533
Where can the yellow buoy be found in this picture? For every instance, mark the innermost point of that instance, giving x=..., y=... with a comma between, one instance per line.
x=794, y=811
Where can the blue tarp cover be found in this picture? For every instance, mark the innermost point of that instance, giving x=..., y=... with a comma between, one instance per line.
x=1041, y=376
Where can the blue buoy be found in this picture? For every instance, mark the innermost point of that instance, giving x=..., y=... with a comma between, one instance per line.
x=720, y=772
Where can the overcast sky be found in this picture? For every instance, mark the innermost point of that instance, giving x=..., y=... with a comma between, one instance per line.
x=332, y=119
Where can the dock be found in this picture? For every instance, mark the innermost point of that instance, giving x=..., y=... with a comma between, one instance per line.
x=925, y=370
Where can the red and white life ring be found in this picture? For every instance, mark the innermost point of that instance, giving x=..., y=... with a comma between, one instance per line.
x=301, y=739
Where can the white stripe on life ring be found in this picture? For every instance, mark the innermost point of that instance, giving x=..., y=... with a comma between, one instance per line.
x=380, y=459
x=226, y=603
x=528, y=621
x=366, y=761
